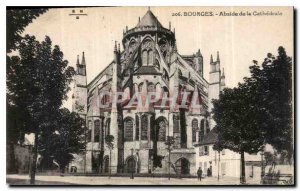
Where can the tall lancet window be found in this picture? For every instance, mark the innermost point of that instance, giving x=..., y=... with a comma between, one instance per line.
x=128, y=129
x=194, y=129
x=150, y=58
x=145, y=58
x=144, y=127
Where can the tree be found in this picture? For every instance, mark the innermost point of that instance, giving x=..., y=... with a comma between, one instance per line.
x=109, y=140
x=16, y=21
x=275, y=99
x=65, y=141
x=37, y=83
x=236, y=119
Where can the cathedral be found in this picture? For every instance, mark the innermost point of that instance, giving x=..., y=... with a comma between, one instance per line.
x=152, y=138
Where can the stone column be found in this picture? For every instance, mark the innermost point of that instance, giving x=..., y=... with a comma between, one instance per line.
x=189, y=134
x=148, y=130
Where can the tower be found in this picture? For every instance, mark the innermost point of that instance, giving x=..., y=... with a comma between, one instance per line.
x=198, y=60
x=214, y=80
x=79, y=104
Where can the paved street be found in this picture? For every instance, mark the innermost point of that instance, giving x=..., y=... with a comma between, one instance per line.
x=86, y=180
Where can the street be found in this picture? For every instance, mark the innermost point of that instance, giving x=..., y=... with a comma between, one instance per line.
x=88, y=180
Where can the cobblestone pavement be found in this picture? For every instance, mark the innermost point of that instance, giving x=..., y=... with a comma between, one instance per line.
x=88, y=180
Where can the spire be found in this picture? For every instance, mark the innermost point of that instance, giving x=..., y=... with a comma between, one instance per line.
x=83, y=59
x=175, y=47
x=119, y=48
x=169, y=25
x=139, y=19
x=211, y=59
x=115, y=48
x=218, y=58
x=223, y=73
x=77, y=63
x=199, y=53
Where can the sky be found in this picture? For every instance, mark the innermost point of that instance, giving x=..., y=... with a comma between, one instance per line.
x=239, y=39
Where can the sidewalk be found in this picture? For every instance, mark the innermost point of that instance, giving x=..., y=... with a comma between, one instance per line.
x=84, y=180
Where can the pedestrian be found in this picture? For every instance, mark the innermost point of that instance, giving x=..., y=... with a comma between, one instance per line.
x=199, y=173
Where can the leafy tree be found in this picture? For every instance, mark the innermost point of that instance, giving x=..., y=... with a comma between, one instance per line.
x=37, y=83
x=275, y=91
x=236, y=119
x=258, y=111
x=16, y=21
x=65, y=141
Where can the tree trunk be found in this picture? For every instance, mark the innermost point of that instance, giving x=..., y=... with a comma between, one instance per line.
x=242, y=178
x=34, y=160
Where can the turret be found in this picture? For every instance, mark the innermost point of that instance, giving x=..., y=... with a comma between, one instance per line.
x=222, y=80
x=81, y=67
x=198, y=61
x=214, y=79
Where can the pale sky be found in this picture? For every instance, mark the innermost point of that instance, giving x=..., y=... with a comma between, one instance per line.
x=238, y=39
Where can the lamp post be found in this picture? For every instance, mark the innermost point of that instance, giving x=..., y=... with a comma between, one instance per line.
x=131, y=167
x=170, y=141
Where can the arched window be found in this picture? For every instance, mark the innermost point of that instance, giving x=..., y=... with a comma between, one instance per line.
x=141, y=86
x=97, y=131
x=128, y=130
x=144, y=58
x=137, y=128
x=144, y=127
x=194, y=129
x=151, y=87
x=201, y=133
x=150, y=58
x=176, y=124
x=162, y=130
x=107, y=127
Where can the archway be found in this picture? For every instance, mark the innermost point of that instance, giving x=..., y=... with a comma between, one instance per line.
x=182, y=166
x=130, y=165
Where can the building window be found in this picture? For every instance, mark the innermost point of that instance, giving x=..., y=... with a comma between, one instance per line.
x=162, y=131
x=201, y=133
x=175, y=124
x=223, y=169
x=144, y=124
x=206, y=150
x=194, y=129
x=140, y=87
x=150, y=58
x=144, y=58
x=97, y=131
x=128, y=130
x=107, y=127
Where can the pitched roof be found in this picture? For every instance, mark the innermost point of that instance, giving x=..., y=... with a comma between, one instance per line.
x=209, y=138
x=149, y=19
x=147, y=70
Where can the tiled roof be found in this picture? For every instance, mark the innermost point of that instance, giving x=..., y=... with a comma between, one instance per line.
x=147, y=70
x=149, y=20
x=209, y=138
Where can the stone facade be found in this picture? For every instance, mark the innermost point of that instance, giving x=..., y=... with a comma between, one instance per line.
x=149, y=62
